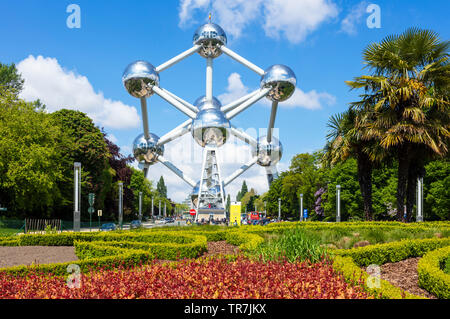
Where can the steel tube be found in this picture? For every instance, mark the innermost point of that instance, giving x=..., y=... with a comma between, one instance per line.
x=240, y=171
x=273, y=114
x=258, y=96
x=243, y=136
x=209, y=79
x=234, y=104
x=145, y=117
x=242, y=60
x=176, y=170
x=170, y=99
x=177, y=59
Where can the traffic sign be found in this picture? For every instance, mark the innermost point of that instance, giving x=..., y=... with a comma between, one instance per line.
x=91, y=199
x=3, y=209
x=305, y=213
x=192, y=212
x=91, y=210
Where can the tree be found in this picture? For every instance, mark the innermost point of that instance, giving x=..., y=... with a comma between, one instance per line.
x=30, y=159
x=228, y=205
x=10, y=79
x=138, y=183
x=405, y=105
x=242, y=192
x=437, y=190
x=344, y=141
x=161, y=188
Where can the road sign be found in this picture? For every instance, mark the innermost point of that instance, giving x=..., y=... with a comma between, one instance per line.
x=192, y=212
x=91, y=210
x=91, y=199
x=235, y=213
x=99, y=213
x=305, y=213
x=3, y=209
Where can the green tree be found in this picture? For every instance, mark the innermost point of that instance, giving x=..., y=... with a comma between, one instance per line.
x=30, y=158
x=161, y=188
x=10, y=79
x=242, y=192
x=406, y=104
x=437, y=190
x=138, y=183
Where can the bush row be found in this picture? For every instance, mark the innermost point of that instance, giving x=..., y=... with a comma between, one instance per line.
x=245, y=241
x=392, y=252
x=431, y=274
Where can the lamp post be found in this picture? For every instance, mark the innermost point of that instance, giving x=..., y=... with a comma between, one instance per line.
x=338, y=203
x=77, y=196
x=140, y=206
x=153, y=216
x=301, y=207
x=419, y=217
x=279, y=209
x=159, y=211
x=120, y=204
x=265, y=209
x=165, y=209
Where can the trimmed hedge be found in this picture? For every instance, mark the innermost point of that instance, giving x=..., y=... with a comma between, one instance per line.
x=393, y=252
x=245, y=241
x=355, y=275
x=431, y=275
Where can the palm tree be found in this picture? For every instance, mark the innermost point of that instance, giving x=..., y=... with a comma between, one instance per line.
x=344, y=141
x=405, y=106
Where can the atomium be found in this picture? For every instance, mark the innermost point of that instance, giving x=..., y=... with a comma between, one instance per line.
x=268, y=154
x=210, y=127
x=210, y=37
x=208, y=121
x=281, y=79
x=147, y=150
x=139, y=78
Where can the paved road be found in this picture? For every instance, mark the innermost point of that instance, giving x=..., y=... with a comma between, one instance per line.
x=158, y=223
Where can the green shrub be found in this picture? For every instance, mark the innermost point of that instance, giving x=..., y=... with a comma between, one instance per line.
x=431, y=275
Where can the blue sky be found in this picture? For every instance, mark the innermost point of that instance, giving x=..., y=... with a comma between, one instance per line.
x=81, y=68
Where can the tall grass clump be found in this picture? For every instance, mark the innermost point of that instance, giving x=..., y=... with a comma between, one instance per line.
x=293, y=245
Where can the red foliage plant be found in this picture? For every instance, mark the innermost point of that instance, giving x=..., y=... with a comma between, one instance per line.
x=203, y=278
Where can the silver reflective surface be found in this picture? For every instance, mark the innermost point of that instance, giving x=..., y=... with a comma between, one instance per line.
x=139, y=77
x=212, y=192
x=281, y=79
x=202, y=104
x=210, y=127
x=147, y=150
x=210, y=36
x=268, y=153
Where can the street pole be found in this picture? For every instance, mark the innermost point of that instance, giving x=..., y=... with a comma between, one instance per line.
x=140, y=206
x=338, y=203
x=279, y=209
x=77, y=197
x=165, y=209
x=301, y=207
x=265, y=209
x=419, y=217
x=120, y=204
x=159, y=212
x=153, y=216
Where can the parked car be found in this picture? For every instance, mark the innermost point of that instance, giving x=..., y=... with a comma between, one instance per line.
x=108, y=227
x=168, y=220
x=135, y=224
x=264, y=222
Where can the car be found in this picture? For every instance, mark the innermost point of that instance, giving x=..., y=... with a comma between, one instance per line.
x=168, y=220
x=108, y=227
x=264, y=222
x=135, y=224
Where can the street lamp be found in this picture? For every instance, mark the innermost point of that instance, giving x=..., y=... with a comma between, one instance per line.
x=140, y=206
x=419, y=217
x=77, y=196
x=338, y=203
x=301, y=207
x=279, y=209
x=120, y=204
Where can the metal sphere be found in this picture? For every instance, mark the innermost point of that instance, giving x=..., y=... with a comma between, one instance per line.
x=281, y=79
x=210, y=127
x=202, y=104
x=215, y=190
x=210, y=36
x=139, y=77
x=268, y=153
x=147, y=150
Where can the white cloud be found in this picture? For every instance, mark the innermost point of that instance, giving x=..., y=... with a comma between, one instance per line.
x=311, y=100
x=45, y=79
x=294, y=19
x=348, y=24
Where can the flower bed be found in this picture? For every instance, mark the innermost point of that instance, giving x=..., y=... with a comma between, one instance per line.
x=203, y=278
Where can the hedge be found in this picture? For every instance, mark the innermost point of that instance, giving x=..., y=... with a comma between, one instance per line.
x=245, y=241
x=431, y=274
x=393, y=252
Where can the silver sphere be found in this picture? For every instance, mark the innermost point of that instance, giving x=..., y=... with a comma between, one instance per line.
x=202, y=104
x=281, y=79
x=210, y=36
x=268, y=153
x=139, y=77
x=146, y=149
x=210, y=127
